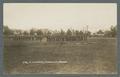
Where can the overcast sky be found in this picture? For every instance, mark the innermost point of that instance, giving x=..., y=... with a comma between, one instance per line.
x=60, y=15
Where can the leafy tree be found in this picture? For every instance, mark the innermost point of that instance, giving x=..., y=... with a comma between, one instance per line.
x=39, y=32
x=69, y=32
x=48, y=33
x=113, y=30
x=77, y=33
x=62, y=32
x=32, y=32
x=7, y=30
x=89, y=33
x=81, y=33
x=25, y=33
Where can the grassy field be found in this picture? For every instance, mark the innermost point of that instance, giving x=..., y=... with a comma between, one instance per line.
x=95, y=56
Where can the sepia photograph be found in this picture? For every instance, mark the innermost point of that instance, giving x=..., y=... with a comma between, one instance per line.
x=60, y=38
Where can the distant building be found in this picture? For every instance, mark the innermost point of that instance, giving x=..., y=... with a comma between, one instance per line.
x=17, y=32
x=98, y=34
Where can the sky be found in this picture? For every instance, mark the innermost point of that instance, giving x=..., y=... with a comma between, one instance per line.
x=56, y=16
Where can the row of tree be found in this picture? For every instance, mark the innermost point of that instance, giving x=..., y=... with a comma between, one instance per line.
x=70, y=32
x=45, y=32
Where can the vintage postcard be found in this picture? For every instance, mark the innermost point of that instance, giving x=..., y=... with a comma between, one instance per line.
x=60, y=38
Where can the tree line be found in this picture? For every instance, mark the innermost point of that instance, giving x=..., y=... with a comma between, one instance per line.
x=112, y=32
x=44, y=32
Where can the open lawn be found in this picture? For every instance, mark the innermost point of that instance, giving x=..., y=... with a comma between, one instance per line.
x=95, y=56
